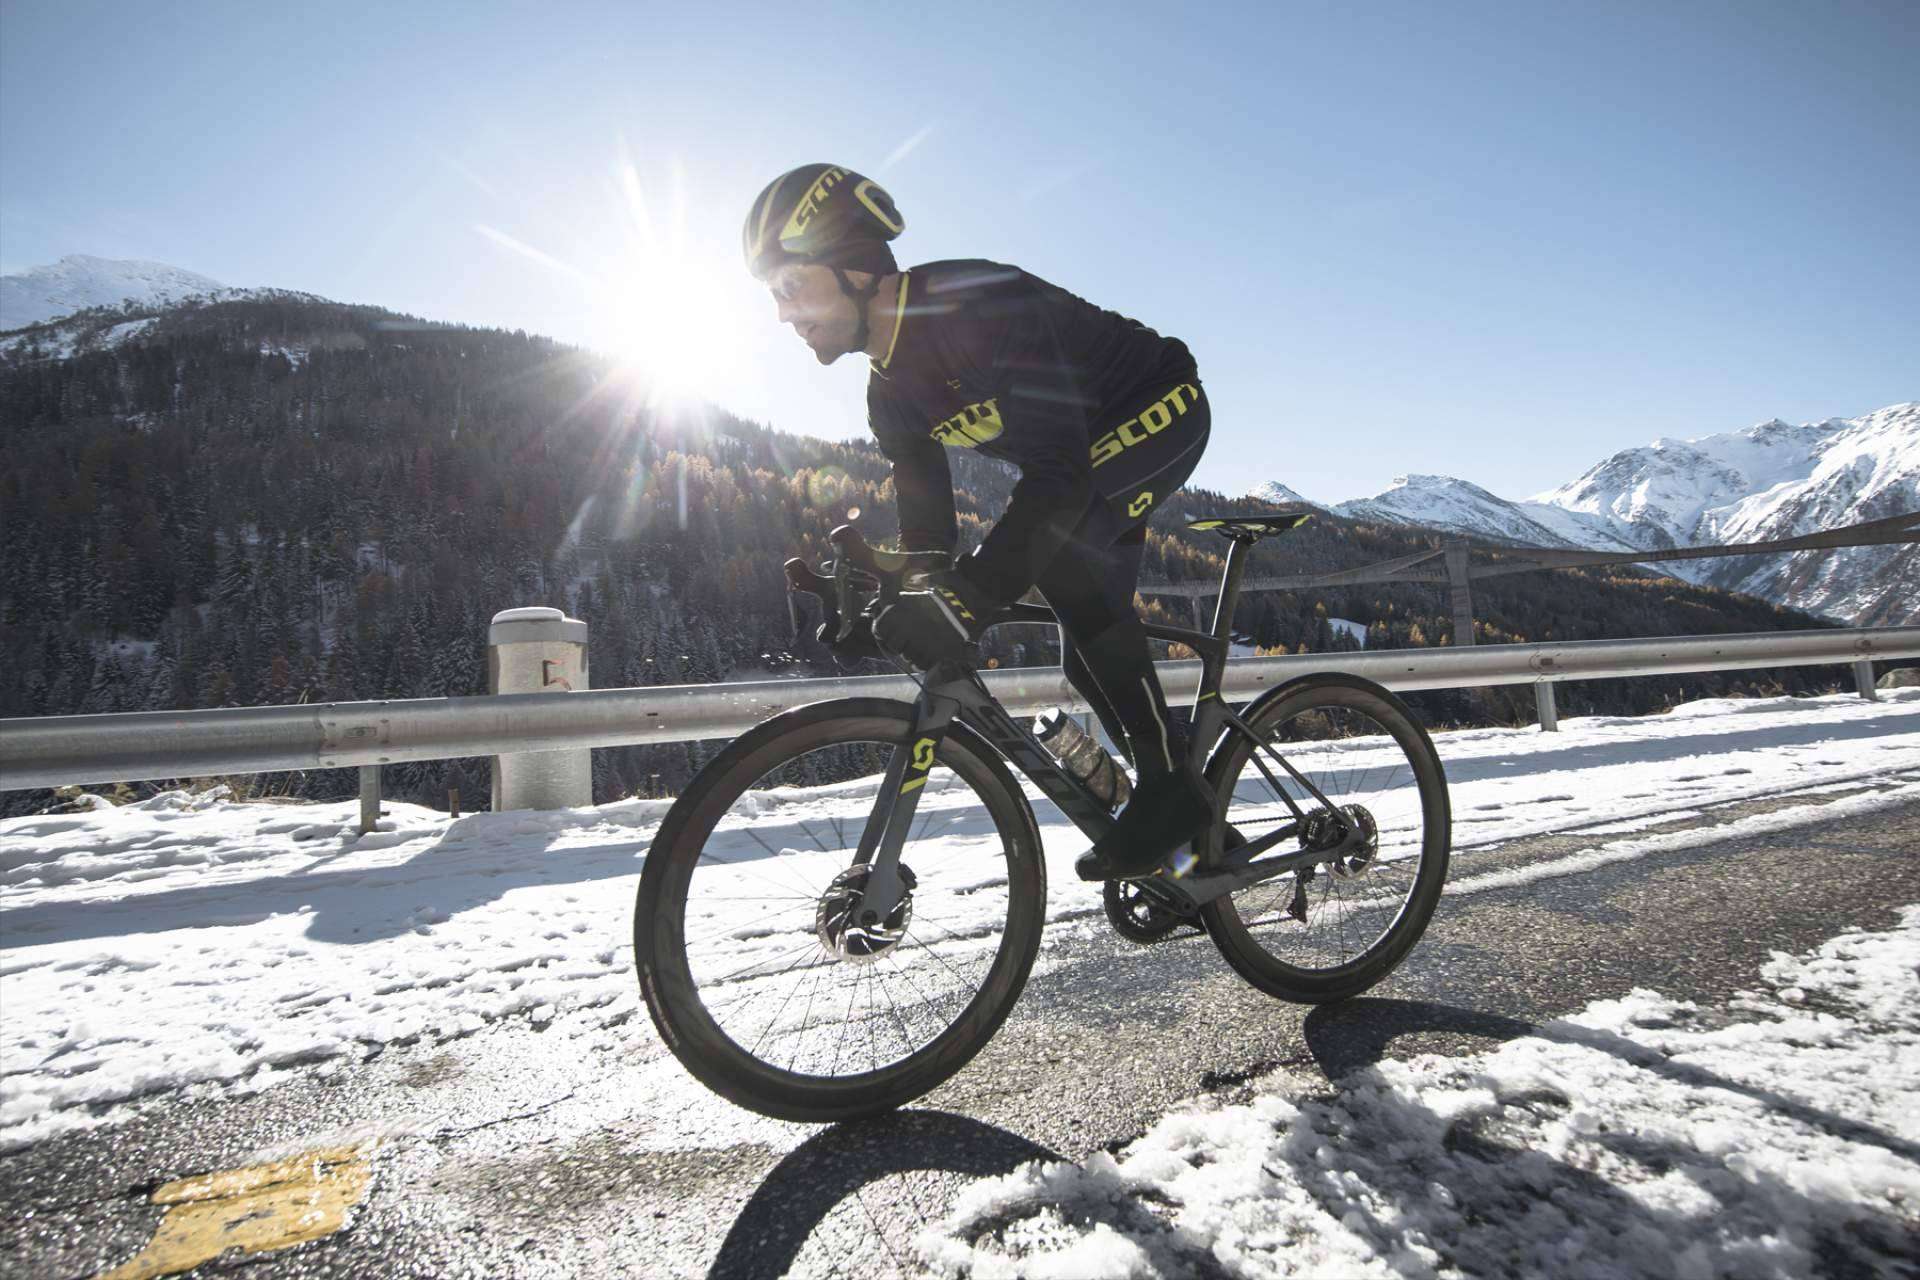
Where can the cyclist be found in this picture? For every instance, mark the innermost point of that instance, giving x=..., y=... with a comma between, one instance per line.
x=1103, y=417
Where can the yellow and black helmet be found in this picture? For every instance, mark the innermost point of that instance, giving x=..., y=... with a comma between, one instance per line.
x=824, y=214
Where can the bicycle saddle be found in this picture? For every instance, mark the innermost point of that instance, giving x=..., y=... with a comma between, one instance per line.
x=1252, y=528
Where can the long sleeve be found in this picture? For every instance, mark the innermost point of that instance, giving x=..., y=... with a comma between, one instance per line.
x=922, y=481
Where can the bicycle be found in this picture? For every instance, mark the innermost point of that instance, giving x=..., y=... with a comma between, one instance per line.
x=843, y=906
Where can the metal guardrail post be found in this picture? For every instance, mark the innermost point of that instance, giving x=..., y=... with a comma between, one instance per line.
x=369, y=798
x=539, y=650
x=1543, y=703
x=1863, y=680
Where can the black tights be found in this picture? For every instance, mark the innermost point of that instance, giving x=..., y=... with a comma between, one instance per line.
x=1090, y=587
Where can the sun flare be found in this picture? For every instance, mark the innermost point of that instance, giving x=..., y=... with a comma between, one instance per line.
x=658, y=302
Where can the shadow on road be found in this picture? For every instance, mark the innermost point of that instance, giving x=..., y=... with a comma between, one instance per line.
x=348, y=905
x=840, y=1163
x=1357, y=1034
x=1724, y=740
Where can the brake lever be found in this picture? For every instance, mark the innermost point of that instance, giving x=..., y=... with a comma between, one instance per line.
x=844, y=600
x=801, y=578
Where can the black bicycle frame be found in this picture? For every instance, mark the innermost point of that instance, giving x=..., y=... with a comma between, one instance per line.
x=955, y=691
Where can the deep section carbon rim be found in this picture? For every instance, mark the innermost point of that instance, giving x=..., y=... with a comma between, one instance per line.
x=810, y=1009
x=1336, y=927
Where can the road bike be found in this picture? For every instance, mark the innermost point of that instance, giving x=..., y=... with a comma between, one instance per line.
x=841, y=909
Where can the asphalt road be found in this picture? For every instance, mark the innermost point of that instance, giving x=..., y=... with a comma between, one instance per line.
x=517, y=1152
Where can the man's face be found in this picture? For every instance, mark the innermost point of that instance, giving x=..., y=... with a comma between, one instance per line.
x=809, y=299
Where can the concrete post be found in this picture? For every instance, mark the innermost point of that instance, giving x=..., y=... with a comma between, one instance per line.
x=539, y=651
x=1460, y=588
x=369, y=798
x=1863, y=679
x=1543, y=703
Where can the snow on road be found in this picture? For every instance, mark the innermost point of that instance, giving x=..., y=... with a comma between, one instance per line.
x=1641, y=1137
x=189, y=941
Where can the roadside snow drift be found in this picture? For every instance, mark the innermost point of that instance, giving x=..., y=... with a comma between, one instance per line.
x=1643, y=1137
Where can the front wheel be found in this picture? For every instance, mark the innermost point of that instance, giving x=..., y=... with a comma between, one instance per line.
x=745, y=962
x=1333, y=929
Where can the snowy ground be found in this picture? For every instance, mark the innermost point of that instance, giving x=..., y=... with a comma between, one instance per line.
x=190, y=942
x=1641, y=1137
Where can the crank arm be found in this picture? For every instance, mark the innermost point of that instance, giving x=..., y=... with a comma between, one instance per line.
x=1186, y=896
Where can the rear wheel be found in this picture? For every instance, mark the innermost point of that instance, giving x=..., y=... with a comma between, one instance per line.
x=755, y=976
x=1331, y=930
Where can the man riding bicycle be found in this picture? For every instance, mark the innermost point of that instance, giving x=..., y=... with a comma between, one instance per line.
x=1103, y=417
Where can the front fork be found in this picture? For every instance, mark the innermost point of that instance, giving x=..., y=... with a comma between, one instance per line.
x=897, y=802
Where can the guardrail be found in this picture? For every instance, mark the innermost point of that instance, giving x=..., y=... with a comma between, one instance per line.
x=59, y=750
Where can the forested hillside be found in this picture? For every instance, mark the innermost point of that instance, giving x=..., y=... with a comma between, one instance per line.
x=284, y=500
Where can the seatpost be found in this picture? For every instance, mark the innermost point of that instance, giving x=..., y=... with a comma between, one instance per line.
x=1230, y=587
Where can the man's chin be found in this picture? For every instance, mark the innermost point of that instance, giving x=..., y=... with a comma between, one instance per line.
x=826, y=355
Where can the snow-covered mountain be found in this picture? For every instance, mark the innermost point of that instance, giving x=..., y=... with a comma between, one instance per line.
x=1442, y=502
x=79, y=281
x=1774, y=480
x=1281, y=495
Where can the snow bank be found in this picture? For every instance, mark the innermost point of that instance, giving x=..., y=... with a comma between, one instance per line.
x=1641, y=1137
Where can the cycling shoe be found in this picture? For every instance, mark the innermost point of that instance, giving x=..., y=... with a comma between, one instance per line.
x=1165, y=814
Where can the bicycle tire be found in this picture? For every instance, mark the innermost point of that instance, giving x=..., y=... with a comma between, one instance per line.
x=1265, y=943
x=678, y=1000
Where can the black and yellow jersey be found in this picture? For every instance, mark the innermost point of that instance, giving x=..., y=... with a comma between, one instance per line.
x=986, y=356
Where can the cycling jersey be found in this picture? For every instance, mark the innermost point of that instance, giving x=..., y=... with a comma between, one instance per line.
x=1088, y=404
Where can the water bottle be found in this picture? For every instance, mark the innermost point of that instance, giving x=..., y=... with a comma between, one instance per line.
x=1083, y=757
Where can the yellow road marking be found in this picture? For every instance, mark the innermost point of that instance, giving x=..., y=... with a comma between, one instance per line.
x=254, y=1210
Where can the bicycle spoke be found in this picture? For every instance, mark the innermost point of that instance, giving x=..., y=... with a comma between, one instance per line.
x=821, y=1008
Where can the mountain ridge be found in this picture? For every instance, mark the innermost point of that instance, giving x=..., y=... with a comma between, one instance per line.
x=1769, y=481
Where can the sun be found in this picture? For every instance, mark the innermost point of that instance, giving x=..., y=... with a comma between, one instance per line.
x=670, y=318
x=670, y=326
x=659, y=303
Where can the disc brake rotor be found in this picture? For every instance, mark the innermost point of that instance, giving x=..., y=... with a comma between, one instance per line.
x=841, y=921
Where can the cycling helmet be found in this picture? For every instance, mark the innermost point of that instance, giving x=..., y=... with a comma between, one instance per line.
x=828, y=216
x=824, y=214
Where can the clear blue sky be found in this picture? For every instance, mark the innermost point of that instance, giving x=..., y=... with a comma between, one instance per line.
x=1495, y=241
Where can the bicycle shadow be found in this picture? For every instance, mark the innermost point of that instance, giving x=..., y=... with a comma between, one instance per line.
x=1357, y=1035
x=1497, y=1202
x=1415, y=1184
x=841, y=1162
x=1577, y=754
x=468, y=864
x=346, y=904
